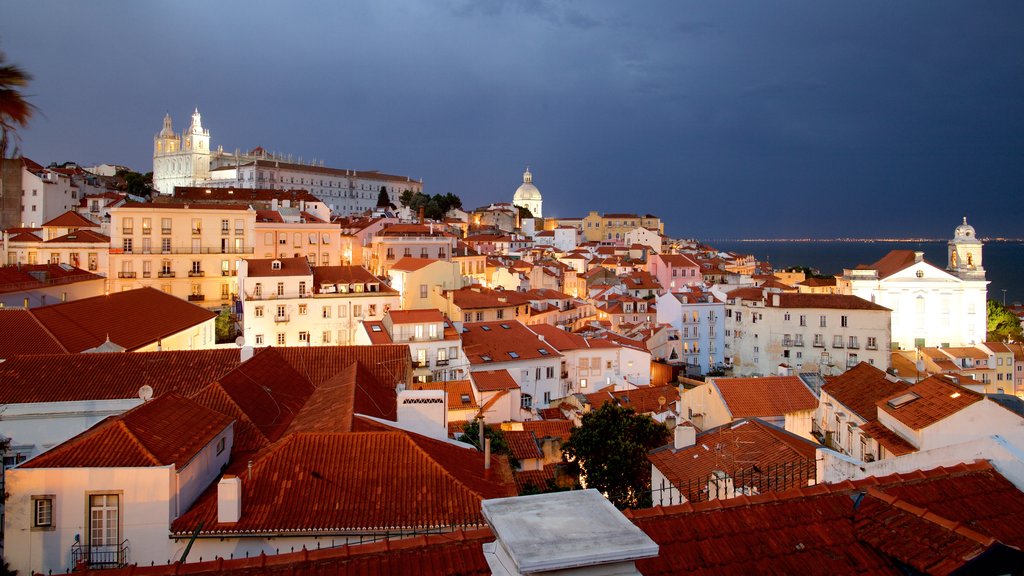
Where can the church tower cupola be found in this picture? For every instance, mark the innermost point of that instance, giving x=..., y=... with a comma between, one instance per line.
x=528, y=196
x=965, y=253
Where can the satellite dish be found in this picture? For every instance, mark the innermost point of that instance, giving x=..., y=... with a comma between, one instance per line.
x=146, y=392
x=661, y=401
x=240, y=341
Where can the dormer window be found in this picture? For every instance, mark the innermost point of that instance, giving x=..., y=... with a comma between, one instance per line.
x=275, y=265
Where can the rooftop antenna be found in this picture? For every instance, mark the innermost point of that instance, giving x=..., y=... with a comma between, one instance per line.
x=146, y=392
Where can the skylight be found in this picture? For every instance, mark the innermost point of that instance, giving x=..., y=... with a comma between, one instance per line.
x=485, y=357
x=375, y=328
x=903, y=399
x=485, y=328
x=505, y=326
x=542, y=351
x=514, y=354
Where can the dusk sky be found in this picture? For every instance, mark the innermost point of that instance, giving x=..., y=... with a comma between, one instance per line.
x=728, y=119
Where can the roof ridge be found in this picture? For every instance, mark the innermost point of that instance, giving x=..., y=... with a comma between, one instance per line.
x=138, y=441
x=954, y=526
x=31, y=313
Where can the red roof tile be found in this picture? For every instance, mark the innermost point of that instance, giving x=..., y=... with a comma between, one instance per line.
x=560, y=429
x=935, y=398
x=32, y=276
x=81, y=237
x=264, y=267
x=169, y=429
x=750, y=451
x=861, y=387
x=478, y=297
x=892, y=263
x=33, y=338
x=644, y=399
x=766, y=396
x=416, y=316
x=487, y=342
x=71, y=219
x=456, y=390
x=390, y=480
x=410, y=264
x=522, y=444
x=492, y=380
x=130, y=319
x=349, y=275
x=829, y=301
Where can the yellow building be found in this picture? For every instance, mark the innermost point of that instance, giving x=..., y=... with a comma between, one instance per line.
x=189, y=251
x=613, y=227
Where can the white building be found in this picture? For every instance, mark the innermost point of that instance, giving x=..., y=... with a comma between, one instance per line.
x=591, y=364
x=772, y=333
x=45, y=194
x=930, y=306
x=434, y=343
x=186, y=159
x=286, y=302
x=699, y=318
x=508, y=345
x=528, y=196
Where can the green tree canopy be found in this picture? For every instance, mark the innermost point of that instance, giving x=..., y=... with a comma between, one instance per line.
x=610, y=448
x=1003, y=325
x=15, y=110
x=471, y=435
x=434, y=207
x=383, y=200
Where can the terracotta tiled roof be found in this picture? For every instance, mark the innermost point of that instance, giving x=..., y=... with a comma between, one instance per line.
x=998, y=347
x=413, y=230
x=31, y=276
x=200, y=193
x=750, y=451
x=643, y=400
x=936, y=399
x=389, y=365
x=349, y=275
x=891, y=441
x=818, y=282
x=487, y=342
x=456, y=390
x=493, y=380
x=444, y=554
x=892, y=263
x=766, y=396
x=269, y=216
x=830, y=301
x=966, y=352
x=559, y=338
x=82, y=237
x=861, y=387
x=522, y=444
x=416, y=316
x=822, y=530
x=130, y=319
x=376, y=332
x=560, y=429
x=151, y=434
x=678, y=260
x=410, y=264
x=264, y=267
x=71, y=219
x=478, y=297
x=78, y=377
x=32, y=337
x=538, y=479
x=385, y=480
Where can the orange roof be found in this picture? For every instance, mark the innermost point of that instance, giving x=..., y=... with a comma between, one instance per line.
x=200, y=193
x=264, y=267
x=861, y=387
x=416, y=316
x=486, y=342
x=70, y=219
x=459, y=392
x=892, y=263
x=891, y=441
x=831, y=301
x=933, y=399
x=764, y=397
x=677, y=260
x=386, y=479
x=349, y=275
x=493, y=380
x=410, y=264
x=81, y=236
x=33, y=338
x=559, y=428
x=130, y=319
x=738, y=449
x=643, y=400
x=966, y=352
x=150, y=434
x=478, y=297
x=560, y=339
x=522, y=444
x=31, y=276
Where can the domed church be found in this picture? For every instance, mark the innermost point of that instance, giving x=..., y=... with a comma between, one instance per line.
x=528, y=196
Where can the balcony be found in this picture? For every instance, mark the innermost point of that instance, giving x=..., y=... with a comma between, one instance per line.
x=190, y=250
x=229, y=272
x=819, y=344
x=126, y=274
x=225, y=231
x=421, y=364
x=147, y=231
x=196, y=273
x=281, y=318
x=197, y=230
x=196, y=297
x=165, y=230
x=114, y=556
x=871, y=347
x=127, y=231
x=166, y=274
x=146, y=274
x=787, y=342
x=441, y=362
x=837, y=345
x=239, y=231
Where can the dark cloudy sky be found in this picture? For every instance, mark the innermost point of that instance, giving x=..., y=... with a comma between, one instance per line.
x=727, y=118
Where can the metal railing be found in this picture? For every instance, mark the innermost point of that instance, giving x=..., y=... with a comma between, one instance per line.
x=196, y=274
x=166, y=275
x=124, y=274
x=748, y=480
x=196, y=297
x=188, y=250
x=113, y=556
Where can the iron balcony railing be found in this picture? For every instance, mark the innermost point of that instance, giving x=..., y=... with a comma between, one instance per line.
x=112, y=556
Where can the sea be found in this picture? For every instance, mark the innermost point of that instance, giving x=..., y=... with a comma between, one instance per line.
x=1003, y=260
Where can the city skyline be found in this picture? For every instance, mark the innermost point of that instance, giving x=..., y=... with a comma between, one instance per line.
x=900, y=118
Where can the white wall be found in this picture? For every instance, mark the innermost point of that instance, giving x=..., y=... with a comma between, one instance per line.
x=37, y=427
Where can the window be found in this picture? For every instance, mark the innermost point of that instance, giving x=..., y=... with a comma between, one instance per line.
x=221, y=444
x=302, y=287
x=280, y=288
x=280, y=339
x=104, y=521
x=302, y=309
x=821, y=321
x=479, y=316
x=357, y=310
x=872, y=343
x=843, y=321
x=42, y=511
x=326, y=312
x=303, y=336
x=281, y=311
x=259, y=339
x=258, y=290
x=126, y=244
x=197, y=226
x=803, y=320
x=547, y=397
x=165, y=225
x=550, y=372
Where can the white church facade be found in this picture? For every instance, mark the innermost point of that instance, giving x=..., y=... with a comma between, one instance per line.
x=528, y=196
x=930, y=306
x=186, y=159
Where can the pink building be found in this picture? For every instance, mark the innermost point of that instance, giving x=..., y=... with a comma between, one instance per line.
x=674, y=271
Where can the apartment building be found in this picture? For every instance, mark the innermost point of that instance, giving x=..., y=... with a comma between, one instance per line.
x=398, y=241
x=190, y=251
x=434, y=343
x=287, y=302
x=614, y=227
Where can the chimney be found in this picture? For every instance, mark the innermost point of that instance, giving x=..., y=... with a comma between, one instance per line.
x=685, y=436
x=247, y=353
x=229, y=499
x=487, y=453
x=918, y=256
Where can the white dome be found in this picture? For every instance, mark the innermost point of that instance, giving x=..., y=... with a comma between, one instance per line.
x=964, y=231
x=527, y=191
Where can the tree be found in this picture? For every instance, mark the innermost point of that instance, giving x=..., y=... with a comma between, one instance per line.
x=524, y=212
x=137, y=184
x=610, y=449
x=383, y=200
x=1003, y=325
x=15, y=110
